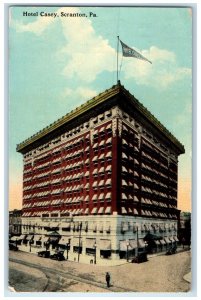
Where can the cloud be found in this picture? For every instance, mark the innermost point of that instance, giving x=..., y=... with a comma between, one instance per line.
x=85, y=54
x=37, y=27
x=163, y=71
x=89, y=53
x=185, y=116
x=75, y=97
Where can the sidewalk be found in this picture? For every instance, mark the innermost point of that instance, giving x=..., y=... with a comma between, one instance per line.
x=86, y=259
x=179, y=249
x=188, y=277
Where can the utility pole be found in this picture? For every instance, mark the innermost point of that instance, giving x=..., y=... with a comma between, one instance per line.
x=95, y=245
x=137, y=242
x=80, y=229
x=68, y=244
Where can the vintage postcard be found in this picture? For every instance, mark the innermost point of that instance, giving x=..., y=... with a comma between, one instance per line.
x=100, y=131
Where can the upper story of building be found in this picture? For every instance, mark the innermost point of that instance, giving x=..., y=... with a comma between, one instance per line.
x=108, y=155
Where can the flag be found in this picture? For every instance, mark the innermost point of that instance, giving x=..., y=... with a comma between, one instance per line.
x=129, y=52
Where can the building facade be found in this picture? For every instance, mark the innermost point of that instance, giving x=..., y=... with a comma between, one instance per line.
x=184, y=228
x=102, y=177
x=15, y=222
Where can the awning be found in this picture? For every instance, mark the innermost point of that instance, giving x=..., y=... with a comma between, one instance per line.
x=167, y=240
x=22, y=236
x=95, y=171
x=150, y=237
x=14, y=238
x=108, y=195
x=29, y=237
x=53, y=239
x=133, y=244
x=123, y=245
x=101, y=209
x=90, y=243
x=141, y=243
x=108, y=210
x=108, y=181
x=45, y=239
x=94, y=210
x=176, y=238
x=101, y=196
x=162, y=242
x=37, y=237
x=64, y=240
x=108, y=168
x=105, y=245
x=123, y=210
x=86, y=211
x=109, y=154
x=77, y=241
x=157, y=242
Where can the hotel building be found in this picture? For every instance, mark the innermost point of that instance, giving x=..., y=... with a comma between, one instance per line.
x=100, y=178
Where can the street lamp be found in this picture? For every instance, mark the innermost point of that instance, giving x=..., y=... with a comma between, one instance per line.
x=145, y=244
x=95, y=245
x=30, y=246
x=127, y=244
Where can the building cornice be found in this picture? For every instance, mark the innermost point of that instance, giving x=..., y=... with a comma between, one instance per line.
x=94, y=102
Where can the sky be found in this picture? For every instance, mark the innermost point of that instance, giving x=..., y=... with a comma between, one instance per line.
x=56, y=64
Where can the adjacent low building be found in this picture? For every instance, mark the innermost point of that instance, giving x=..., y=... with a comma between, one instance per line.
x=102, y=177
x=15, y=222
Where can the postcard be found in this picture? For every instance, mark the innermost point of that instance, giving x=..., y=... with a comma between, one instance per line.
x=100, y=153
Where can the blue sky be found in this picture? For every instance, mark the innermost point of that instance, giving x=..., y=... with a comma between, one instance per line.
x=55, y=64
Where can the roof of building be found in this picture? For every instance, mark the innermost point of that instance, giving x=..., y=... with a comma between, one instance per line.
x=102, y=97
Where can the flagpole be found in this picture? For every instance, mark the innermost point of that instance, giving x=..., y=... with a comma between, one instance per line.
x=117, y=58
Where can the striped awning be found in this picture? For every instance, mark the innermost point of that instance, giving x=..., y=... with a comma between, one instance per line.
x=105, y=245
x=29, y=237
x=162, y=242
x=133, y=244
x=77, y=241
x=90, y=243
x=167, y=240
x=124, y=245
x=108, y=210
x=101, y=210
x=22, y=236
x=37, y=237
x=141, y=243
x=14, y=238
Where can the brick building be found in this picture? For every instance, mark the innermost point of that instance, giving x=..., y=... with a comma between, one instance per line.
x=100, y=178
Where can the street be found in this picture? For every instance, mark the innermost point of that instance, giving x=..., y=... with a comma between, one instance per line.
x=30, y=273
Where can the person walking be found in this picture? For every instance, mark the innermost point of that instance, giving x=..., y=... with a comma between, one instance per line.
x=107, y=278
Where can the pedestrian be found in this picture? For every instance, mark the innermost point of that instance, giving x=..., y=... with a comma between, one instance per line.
x=107, y=278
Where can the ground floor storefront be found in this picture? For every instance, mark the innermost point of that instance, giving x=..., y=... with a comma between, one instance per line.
x=95, y=238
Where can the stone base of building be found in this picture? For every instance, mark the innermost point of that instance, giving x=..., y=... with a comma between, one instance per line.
x=101, y=239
